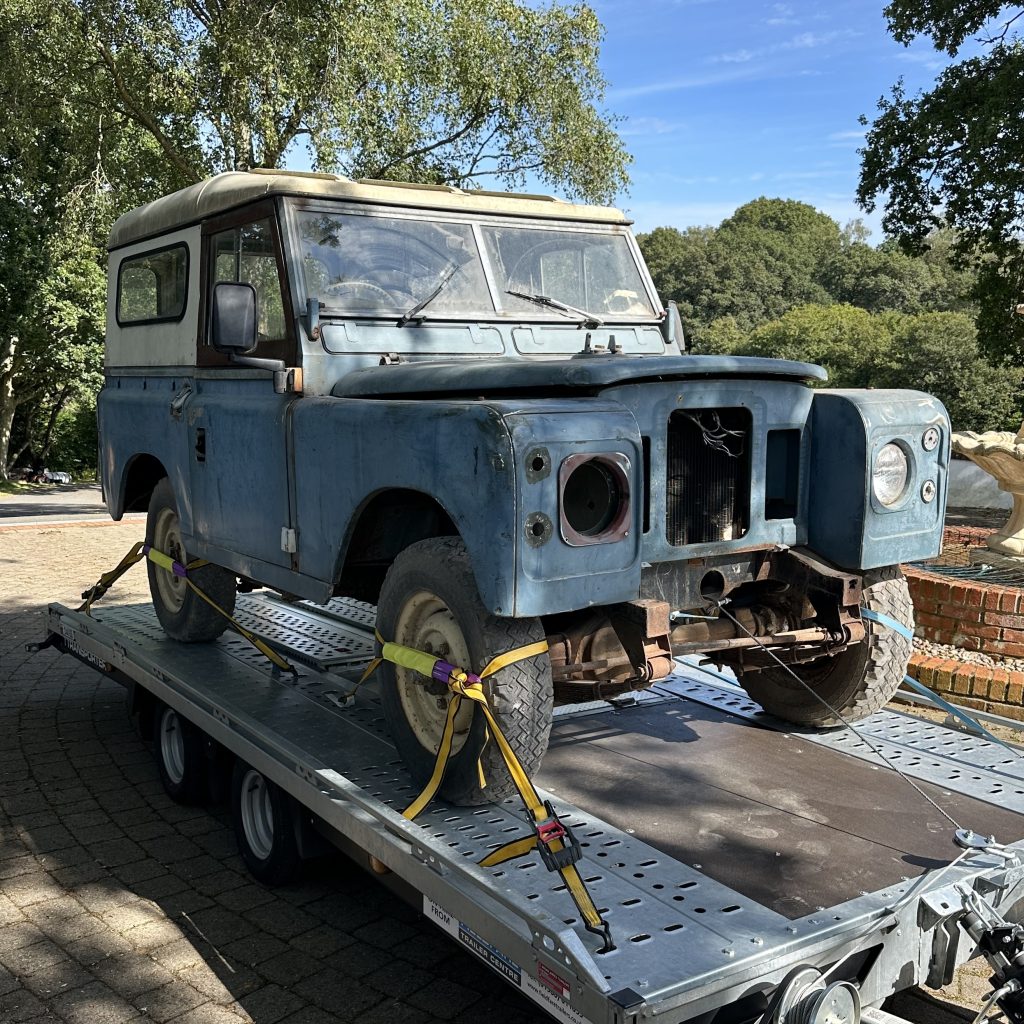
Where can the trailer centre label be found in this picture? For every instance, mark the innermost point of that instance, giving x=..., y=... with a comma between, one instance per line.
x=548, y=989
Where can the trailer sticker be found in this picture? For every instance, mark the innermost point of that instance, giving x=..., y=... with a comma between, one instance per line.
x=551, y=991
x=74, y=647
x=553, y=981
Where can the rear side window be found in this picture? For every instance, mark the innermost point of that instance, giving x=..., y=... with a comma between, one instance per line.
x=152, y=287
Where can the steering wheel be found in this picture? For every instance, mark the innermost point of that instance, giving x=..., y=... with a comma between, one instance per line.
x=361, y=289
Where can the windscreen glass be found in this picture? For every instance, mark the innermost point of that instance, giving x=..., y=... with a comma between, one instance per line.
x=591, y=270
x=369, y=264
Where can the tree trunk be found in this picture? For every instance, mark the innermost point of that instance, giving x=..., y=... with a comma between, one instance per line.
x=7, y=402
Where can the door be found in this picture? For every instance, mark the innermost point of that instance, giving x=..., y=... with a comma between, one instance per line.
x=238, y=426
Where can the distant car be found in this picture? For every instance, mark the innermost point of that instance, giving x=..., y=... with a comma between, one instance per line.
x=54, y=476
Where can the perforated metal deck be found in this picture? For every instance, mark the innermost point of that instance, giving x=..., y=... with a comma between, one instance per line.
x=687, y=941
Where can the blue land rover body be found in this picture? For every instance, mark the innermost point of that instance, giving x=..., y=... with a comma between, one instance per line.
x=495, y=376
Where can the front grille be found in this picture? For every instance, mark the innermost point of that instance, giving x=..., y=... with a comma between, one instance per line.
x=708, y=481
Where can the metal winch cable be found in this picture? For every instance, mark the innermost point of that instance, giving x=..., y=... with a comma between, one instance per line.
x=872, y=746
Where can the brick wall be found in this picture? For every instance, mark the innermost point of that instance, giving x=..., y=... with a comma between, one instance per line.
x=974, y=617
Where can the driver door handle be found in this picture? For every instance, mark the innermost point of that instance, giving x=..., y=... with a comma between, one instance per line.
x=179, y=400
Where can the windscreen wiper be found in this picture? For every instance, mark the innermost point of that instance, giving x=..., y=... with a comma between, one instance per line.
x=589, y=320
x=411, y=314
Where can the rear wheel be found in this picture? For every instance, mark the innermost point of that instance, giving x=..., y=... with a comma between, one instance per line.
x=430, y=602
x=265, y=827
x=183, y=614
x=179, y=756
x=856, y=683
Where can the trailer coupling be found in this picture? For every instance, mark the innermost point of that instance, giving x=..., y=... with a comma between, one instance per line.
x=1002, y=945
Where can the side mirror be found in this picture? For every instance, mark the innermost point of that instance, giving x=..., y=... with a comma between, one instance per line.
x=234, y=319
x=672, y=327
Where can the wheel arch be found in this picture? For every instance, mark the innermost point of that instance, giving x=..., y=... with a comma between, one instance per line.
x=385, y=524
x=141, y=474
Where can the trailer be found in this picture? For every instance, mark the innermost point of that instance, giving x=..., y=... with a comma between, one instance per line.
x=749, y=871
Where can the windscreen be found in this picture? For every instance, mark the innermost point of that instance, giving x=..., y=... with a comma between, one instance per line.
x=379, y=264
x=591, y=270
x=358, y=263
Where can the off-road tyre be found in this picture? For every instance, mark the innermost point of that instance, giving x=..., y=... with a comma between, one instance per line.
x=180, y=756
x=182, y=613
x=856, y=683
x=520, y=695
x=265, y=827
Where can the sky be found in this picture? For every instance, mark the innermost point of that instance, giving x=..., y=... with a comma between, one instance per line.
x=723, y=101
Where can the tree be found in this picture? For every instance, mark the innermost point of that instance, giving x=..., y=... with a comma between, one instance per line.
x=426, y=90
x=952, y=155
x=111, y=103
x=850, y=343
x=938, y=353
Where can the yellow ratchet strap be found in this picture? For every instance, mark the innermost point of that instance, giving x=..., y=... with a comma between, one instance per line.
x=142, y=550
x=554, y=841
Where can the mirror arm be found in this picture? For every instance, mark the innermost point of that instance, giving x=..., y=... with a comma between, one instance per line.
x=287, y=379
x=256, y=363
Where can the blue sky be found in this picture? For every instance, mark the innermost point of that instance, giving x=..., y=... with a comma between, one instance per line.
x=726, y=101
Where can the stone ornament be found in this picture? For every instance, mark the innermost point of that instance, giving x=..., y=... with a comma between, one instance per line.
x=1001, y=454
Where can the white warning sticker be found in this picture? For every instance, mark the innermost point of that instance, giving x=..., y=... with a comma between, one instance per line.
x=550, y=990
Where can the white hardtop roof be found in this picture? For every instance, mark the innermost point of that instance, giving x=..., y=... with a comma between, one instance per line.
x=233, y=188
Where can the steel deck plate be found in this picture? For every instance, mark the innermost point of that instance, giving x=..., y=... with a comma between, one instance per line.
x=682, y=935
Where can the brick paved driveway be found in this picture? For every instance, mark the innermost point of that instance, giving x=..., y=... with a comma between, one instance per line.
x=118, y=905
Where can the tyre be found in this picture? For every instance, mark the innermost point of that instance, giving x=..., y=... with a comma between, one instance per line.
x=429, y=601
x=182, y=613
x=179, y=756
x=264, y=819
x=857, y=682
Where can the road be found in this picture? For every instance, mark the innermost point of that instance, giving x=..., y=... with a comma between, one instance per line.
x=117, y=905
x=48, y=503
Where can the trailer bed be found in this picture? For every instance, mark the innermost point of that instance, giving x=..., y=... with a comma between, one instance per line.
x=723, y=848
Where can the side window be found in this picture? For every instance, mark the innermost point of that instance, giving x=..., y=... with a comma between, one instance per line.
x=247, y=254
x=152, y=287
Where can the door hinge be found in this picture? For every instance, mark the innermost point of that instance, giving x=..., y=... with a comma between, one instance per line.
x=288, y=540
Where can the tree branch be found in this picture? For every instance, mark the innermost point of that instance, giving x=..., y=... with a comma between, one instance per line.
x=134, y=112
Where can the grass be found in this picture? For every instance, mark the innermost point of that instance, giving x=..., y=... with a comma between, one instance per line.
x=13, y=487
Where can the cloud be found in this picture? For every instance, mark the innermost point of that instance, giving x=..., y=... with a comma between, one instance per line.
x=647, y=126
x=801, y=41
x=686, y=82
x=782, y=14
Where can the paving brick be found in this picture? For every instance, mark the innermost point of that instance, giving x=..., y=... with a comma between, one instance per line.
x=271, y=1004
x=94, y=1004
x=444, y=999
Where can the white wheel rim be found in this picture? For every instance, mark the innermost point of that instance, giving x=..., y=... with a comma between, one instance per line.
x=257, y=814
x=167, y=538
x=426, y=623
x=172, y=746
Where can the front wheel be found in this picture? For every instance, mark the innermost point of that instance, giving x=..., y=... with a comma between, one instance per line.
x=429, y=601
x=855, y=683
x=183, y=614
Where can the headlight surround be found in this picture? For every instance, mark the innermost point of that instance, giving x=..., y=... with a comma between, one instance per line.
x=594, y=499
x=890, y=474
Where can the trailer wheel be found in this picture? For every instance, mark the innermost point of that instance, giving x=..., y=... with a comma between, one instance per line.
x=179, y=756
x=183, y=614
x=856, y=683
x=264, y=819
x=429, y=601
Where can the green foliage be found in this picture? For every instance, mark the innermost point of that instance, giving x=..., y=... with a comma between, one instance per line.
x=933, y=352
x=850, y=343
x=423, y=90
x=951, y=155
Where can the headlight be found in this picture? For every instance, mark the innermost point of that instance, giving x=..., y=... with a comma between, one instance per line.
x=594, y=498
x=889, y=477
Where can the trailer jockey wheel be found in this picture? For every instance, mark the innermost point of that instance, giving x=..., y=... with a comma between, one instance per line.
x=179, y=756
x=265, y=826
x=430, y=602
